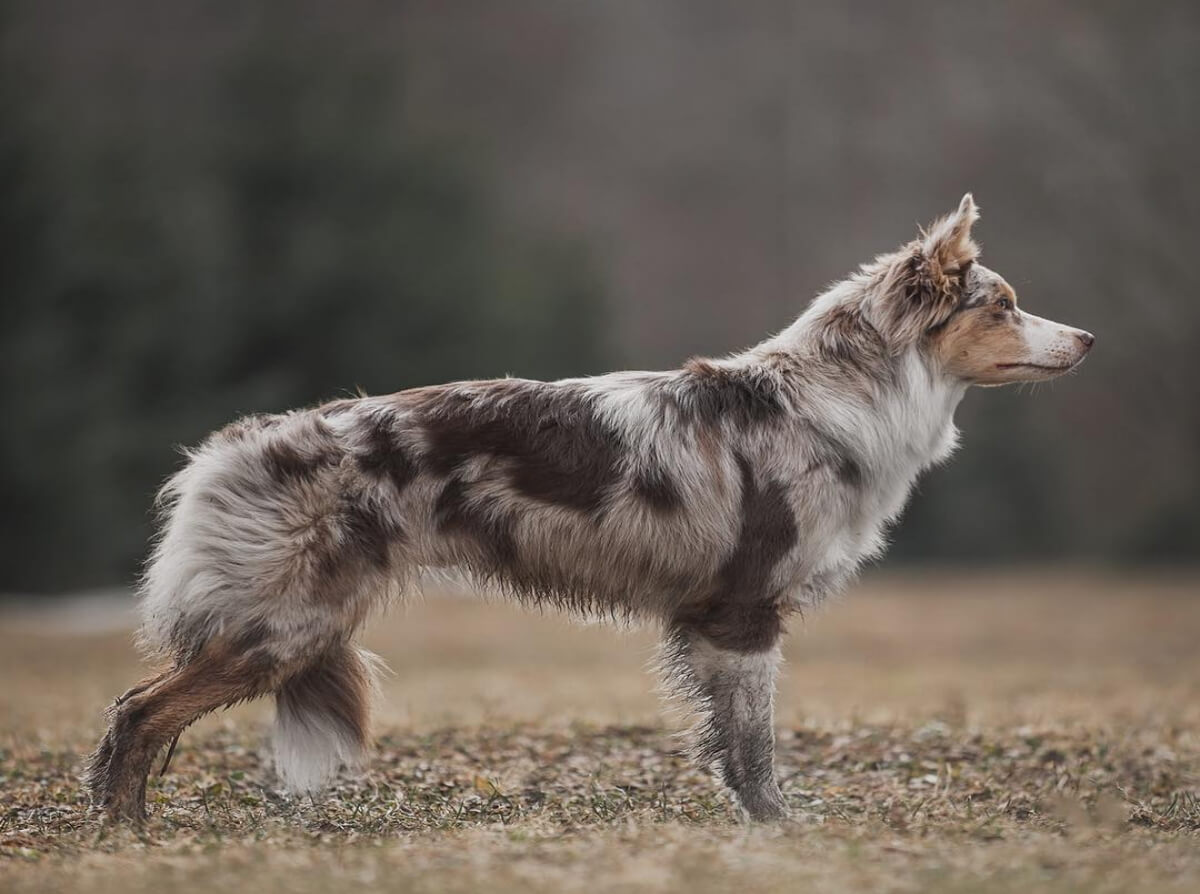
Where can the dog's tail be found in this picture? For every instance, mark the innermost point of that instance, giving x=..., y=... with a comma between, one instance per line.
x=323, y=718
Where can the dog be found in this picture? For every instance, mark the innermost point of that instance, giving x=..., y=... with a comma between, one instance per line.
x=716, y=500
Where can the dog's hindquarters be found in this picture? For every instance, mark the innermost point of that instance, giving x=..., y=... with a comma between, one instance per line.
x=266, y=566
x=268, y=529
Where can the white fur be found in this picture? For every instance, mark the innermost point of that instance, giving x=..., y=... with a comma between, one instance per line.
x=1048, y=343
x=310, y=745
x=309, y=750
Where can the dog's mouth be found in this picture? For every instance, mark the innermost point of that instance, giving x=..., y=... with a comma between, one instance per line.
x=1037, y=366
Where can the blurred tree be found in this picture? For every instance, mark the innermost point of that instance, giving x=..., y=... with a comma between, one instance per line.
x=296, y=245
x=24, y=250
x=211, y=208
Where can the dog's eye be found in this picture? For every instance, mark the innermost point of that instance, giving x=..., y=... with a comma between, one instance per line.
x=1004, y=304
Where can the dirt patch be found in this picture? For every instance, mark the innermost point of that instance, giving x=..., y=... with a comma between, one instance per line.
x=1038, y=733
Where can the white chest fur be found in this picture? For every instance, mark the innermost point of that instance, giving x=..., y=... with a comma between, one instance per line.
x=897, y=438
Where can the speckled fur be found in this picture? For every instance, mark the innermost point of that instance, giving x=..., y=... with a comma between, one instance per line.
x=715, y=500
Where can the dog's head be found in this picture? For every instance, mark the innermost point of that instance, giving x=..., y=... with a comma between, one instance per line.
x=964, y=317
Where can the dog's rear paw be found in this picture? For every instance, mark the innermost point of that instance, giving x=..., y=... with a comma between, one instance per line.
x=118, y=796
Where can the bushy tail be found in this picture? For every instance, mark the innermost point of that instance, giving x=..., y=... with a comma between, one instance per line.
x=322, y=718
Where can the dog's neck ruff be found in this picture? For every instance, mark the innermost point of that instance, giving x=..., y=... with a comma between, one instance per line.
x=896, y=413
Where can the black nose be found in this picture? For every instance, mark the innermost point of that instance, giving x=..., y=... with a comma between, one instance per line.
x=1087, y=338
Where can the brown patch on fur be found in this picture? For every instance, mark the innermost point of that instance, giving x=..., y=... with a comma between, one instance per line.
x=488, y=534
x=557, y=449
x=849, y=471
x=303, y=455
x=706, y=393
x=253, y=639
x=190, y=637
x=368, y=533
x=652, y=484
x=972, y=342
x=354, y=537
x=833, y=454
x=742, y=614
x=381, y=455
x=846, y=336
x=847, y=340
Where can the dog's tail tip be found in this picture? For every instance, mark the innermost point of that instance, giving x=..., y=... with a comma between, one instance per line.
x=322, y=719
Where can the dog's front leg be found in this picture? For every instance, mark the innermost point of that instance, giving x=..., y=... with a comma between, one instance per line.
x=733, y=693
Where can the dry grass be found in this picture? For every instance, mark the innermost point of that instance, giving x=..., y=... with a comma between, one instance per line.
x=937, y=732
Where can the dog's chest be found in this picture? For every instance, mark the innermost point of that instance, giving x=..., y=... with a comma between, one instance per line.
x=854, y=530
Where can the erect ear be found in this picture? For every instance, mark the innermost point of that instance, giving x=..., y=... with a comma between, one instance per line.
x=923, y=286
x=947, y=244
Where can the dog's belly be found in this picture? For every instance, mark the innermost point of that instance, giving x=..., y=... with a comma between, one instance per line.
x=625, y=562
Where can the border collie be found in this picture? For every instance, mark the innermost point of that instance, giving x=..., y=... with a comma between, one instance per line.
x=716, y=500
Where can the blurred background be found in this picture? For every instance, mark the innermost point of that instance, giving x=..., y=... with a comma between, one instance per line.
x=210, y=208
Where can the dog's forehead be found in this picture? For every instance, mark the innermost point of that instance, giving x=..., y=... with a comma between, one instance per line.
x=983, y=284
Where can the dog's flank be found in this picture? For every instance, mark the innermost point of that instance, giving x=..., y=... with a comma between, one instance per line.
x=715, y=499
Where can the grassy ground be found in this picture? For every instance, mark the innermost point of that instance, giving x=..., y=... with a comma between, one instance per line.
x=937, y=732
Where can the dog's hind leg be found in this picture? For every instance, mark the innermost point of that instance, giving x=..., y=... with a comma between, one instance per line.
x=733, y=694
x=99, y=761
x=153, y=713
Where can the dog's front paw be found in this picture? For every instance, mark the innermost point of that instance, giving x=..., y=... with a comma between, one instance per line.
x=764, y=806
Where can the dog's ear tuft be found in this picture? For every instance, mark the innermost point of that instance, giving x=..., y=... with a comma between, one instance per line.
x=947, y=244
x=924, y=283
